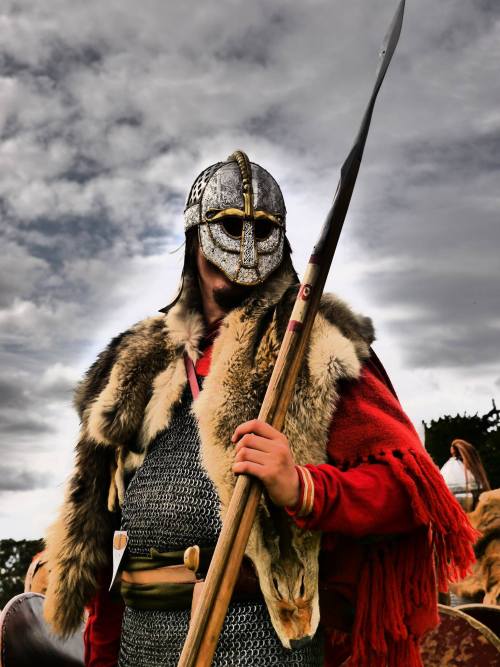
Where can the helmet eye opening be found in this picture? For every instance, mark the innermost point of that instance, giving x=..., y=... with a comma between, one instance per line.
x=263, y=229
x=233, y=226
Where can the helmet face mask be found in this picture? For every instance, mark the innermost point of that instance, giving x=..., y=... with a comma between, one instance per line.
x=240, y=214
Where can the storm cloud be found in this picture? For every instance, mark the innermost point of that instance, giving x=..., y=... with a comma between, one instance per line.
x=20, y=480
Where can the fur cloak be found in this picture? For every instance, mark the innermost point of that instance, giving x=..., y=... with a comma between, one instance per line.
x=128, y=397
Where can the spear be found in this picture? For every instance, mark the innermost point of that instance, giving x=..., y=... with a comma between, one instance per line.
x=211, y=610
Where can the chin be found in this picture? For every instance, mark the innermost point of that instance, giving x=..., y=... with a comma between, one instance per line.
x=229, y=295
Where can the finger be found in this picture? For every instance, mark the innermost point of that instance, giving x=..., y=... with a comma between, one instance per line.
x=252, y=455
x=249, y=468
x=258, y=427
x=253, y=441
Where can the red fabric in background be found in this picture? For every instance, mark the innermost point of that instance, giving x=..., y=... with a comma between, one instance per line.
x=367, y=500
x=103, y=627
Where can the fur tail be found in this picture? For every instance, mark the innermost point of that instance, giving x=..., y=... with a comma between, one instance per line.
x=79, y=541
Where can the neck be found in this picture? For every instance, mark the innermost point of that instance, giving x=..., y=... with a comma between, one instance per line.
x=211, y=309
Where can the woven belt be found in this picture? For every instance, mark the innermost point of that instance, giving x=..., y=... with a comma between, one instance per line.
x=150, y=583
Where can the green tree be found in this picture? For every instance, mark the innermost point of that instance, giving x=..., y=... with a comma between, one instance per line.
x=15, y=558
x=481, y=431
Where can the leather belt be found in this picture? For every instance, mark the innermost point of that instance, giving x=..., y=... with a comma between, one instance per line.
x=145, y=583
x=169, y=574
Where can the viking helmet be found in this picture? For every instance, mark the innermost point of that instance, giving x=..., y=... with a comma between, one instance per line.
x=240, y=214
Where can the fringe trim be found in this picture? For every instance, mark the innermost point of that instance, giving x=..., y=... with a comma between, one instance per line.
x=397, y=600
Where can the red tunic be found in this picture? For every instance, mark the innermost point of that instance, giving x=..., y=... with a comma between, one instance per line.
x=365, y=501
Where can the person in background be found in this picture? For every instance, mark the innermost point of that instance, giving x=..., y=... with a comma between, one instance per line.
x=464, y=474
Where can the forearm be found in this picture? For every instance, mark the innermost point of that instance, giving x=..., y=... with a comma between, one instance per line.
x=369, y=498
x=366, y=500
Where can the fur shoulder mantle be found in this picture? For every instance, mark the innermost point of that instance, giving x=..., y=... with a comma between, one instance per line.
x=127, y=398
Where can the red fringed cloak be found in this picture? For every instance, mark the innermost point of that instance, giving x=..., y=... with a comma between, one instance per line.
x=392, y=579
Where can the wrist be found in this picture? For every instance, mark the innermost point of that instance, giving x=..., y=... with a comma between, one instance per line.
x=295, y=493
x=305, y=498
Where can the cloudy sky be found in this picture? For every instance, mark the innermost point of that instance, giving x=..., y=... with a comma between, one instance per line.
x=108, y=110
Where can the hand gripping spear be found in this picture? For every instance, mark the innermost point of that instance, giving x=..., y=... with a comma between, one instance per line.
x=209, y=616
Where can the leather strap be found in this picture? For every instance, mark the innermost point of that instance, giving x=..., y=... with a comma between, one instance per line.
x=191, y=376
x=173, y=587
x=170, y=574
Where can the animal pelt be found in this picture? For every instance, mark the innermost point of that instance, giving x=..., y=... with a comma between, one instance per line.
x=127, y=398
x=483, y=584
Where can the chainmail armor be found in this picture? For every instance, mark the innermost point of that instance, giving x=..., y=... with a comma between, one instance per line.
x=171, y=504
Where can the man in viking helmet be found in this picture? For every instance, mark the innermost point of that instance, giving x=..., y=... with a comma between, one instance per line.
x=340, y=561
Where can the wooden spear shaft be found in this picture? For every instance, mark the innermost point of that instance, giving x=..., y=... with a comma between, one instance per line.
x=208, y=619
